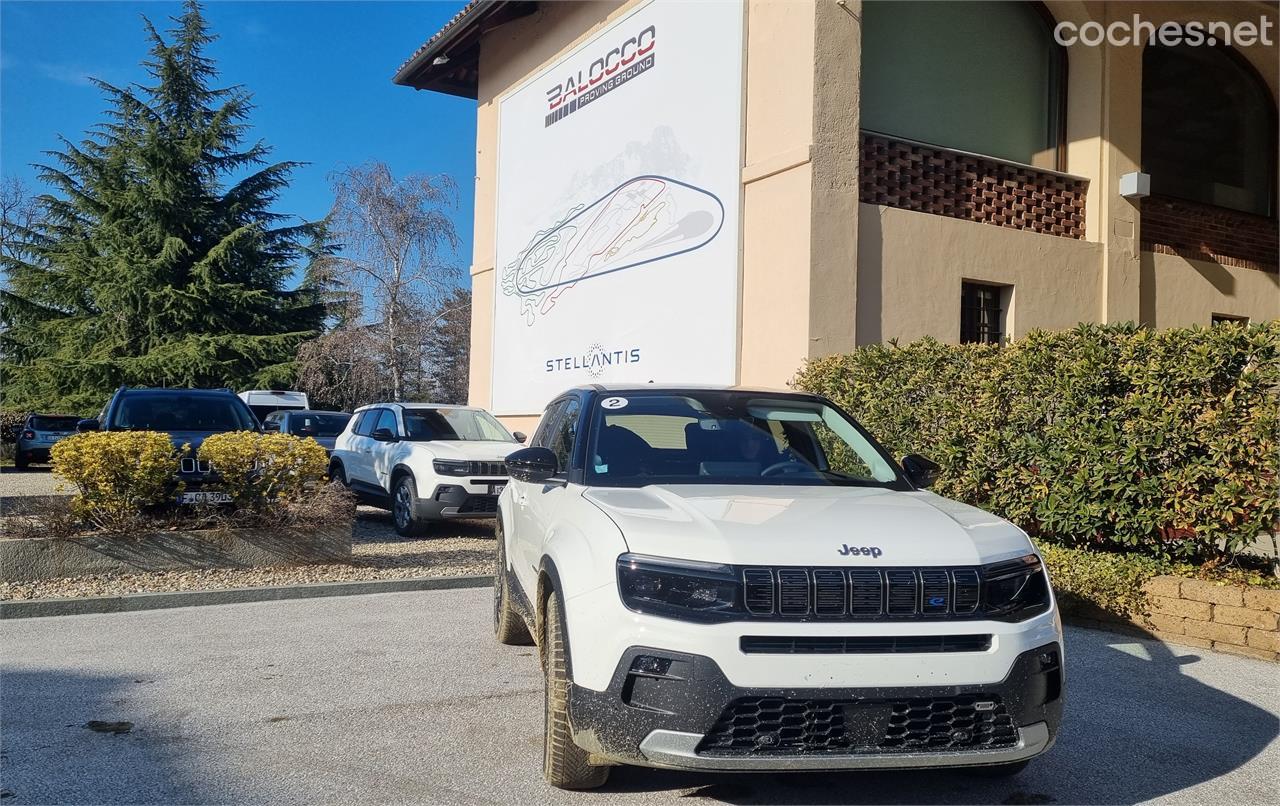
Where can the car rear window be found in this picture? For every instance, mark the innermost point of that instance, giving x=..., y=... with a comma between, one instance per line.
x=179, y=412
x=46, y=423
x=317, y=425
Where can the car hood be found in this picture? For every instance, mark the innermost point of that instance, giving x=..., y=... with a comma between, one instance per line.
x=477, y=450
x=784, y=525
x=193, y=438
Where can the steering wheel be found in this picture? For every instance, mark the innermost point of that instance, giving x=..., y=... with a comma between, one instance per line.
x=784, y=467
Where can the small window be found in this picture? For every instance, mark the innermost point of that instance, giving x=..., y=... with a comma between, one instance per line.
x=566, y=433
x=542, y=437
x=365, y=421
x=1226, y=319
x=387, y=420
x=982, y=313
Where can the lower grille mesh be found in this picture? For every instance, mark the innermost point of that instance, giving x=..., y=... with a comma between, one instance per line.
x=777, y=726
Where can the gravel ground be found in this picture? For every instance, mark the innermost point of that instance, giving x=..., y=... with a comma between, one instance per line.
x=452, y=549
x=33, y=481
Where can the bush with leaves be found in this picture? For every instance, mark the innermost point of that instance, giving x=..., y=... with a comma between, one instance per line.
x=117, y=474
x=1112, y=437
x=259, y=469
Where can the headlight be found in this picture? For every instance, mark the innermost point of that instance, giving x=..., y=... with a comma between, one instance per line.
x=689, y=591
x=451, y=467
x=1014, y=590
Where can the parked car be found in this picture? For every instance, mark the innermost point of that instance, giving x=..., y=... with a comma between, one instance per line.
x=424, y=462
x=322, y=426
x=188, y=416
x=741, y=580
x=264, y=401
x=37, y=435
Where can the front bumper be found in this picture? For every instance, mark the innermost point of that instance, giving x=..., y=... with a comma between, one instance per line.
x=464, y=499
x=689, y=717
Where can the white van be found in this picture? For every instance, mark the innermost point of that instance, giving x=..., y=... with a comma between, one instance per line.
x=265, y=401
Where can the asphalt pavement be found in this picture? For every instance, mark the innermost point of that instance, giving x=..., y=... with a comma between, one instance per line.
x=405, y=697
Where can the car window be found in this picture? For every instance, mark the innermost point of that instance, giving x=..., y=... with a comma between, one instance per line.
x=365, y=421
x=387, y=420
x=151, y=411
x=45, y=423
x=317, y=425
x=566, y=434
x=730, y=438
x=542, y=437
x=453, y=424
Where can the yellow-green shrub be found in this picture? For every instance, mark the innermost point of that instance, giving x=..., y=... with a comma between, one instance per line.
x=259, y=468
x=117, y=473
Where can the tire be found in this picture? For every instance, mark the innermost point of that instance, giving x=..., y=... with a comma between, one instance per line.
x=338, y=475
x=20, y=464
x=564, y=764
x=999, y=770
x=508, y=626
x=403, y=496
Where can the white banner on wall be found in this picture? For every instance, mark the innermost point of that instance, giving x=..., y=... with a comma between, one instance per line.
x=617, y=210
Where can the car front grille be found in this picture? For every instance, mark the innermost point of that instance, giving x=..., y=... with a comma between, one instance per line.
x=486, y=468
x=919, y=593
x=778, y=726
x=479, y=505
x=862, y=644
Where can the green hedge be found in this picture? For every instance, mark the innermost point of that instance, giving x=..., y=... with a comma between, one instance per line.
x=1112, y=437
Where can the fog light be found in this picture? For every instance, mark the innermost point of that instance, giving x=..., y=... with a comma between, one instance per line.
x=651, y=665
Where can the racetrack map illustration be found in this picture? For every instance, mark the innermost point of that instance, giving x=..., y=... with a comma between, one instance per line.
x=644, y=220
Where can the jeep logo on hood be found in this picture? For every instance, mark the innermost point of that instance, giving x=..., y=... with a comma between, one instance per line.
x=866, y=551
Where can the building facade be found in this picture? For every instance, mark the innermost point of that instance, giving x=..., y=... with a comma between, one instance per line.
x=900, y=170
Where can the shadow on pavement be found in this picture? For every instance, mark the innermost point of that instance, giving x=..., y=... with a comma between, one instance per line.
x=49, y=753
x=1137, y=727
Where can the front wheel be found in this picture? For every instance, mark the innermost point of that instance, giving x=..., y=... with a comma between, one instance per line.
x=403, y=506
x=337, y=475
x=564, y=764
x=508, y=626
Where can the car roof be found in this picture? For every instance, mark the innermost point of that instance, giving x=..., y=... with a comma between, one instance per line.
x=173, y=390
x=409, y=405
x=288, y=412
x=632, y=388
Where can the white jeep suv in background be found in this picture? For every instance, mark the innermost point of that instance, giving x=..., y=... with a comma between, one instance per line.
x=424, y=462
x=743, y=580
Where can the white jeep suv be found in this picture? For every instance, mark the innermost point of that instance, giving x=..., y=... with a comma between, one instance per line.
x=727, y=579
x=424, y=462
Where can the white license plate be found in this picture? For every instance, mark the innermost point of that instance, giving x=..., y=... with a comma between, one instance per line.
x=204, y=498
x=496, y=489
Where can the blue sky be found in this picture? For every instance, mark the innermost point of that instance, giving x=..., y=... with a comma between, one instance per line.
x=320, y=74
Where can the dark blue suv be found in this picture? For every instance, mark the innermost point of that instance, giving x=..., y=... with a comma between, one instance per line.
x=188, y=416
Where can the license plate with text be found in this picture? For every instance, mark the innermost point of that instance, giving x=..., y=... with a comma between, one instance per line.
x=204, y=497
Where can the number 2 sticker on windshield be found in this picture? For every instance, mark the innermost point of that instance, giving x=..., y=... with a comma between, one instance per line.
x=613, y=403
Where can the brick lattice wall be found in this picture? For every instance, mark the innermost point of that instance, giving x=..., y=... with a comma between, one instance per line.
x=1204, y=232
x=927, y=179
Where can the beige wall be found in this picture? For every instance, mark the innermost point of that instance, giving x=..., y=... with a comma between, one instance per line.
x=910, y=266
x=821, y=272
x=1177, y=292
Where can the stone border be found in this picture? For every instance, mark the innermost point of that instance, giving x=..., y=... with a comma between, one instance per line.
x=36, y=608
x=1237, y=619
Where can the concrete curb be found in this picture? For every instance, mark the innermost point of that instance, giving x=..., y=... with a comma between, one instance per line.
x=35, y=608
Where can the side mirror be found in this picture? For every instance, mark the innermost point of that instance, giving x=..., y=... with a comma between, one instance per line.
x=532, y=464
x=520, y=437
x=88, y=425
x=920, y=471
x=383, y=435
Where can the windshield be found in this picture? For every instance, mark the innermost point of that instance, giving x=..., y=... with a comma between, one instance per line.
x=182, y=412
x=45, y=423
x=453, y=425
x=730, y=438
x=317, y=425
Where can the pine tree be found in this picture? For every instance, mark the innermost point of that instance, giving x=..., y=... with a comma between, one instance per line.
x=159, y=259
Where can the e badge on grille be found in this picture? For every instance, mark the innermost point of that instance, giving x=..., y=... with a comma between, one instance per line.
x=866, y=551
